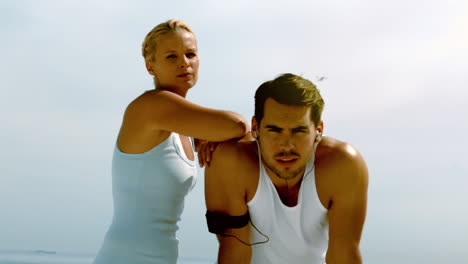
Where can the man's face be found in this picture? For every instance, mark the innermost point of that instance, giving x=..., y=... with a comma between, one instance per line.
x=286, y=136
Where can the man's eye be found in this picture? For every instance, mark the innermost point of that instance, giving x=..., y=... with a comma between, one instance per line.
x=274, y=130
x=299, y=131
x=171, y=56
x=191, y=55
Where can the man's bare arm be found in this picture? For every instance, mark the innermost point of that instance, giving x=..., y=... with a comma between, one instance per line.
x=225, y=193
x=348, y=209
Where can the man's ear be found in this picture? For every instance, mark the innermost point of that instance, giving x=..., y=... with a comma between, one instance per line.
x=254, y=124
x=320, y=127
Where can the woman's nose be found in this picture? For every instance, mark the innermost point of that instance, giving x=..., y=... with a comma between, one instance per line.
x=184, y=62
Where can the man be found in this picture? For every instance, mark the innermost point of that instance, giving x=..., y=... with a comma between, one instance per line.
x=292, y=196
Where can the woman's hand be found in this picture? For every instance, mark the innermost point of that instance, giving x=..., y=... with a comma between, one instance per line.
x=205, y=150
x=248, y=137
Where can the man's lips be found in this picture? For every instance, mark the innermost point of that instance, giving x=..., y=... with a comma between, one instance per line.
x=286, y=160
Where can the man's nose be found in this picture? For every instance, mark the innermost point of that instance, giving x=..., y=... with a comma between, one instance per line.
x=286, y=143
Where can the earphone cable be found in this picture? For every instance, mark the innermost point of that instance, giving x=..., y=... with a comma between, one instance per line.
x=248, y=244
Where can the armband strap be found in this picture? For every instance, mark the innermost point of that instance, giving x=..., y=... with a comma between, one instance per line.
x=219, y=222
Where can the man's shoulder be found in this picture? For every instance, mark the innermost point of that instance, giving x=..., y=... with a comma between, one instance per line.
x=340, y=160
x=238, y=158
x=332, y=150
x=231, y=151
x=234, y=169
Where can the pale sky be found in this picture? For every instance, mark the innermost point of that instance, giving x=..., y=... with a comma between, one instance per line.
x=396, y=78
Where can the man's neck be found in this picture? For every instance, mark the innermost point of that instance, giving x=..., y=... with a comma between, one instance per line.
x=289, y=195
x=288, y=189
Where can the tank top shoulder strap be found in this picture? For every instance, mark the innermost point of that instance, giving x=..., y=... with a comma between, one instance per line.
x=261, y=167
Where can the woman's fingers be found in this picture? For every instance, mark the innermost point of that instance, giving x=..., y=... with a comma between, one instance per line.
x=205, y=151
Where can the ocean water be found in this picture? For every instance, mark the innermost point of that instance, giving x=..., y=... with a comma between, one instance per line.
x=53, y=257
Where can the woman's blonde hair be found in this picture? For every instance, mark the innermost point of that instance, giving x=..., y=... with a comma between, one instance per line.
x=149, y=45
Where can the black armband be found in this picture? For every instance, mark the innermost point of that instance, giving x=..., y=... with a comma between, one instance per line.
x=219, y=222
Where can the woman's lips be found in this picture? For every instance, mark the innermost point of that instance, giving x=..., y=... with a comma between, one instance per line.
x=184, y=75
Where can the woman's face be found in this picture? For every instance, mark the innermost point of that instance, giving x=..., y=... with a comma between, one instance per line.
x=175, y=63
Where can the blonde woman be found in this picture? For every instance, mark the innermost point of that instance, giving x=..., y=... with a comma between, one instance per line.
x=153, y=166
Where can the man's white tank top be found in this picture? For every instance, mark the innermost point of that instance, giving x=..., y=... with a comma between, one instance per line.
x=297, y=234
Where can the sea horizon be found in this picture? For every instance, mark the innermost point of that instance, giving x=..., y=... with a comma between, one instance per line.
x=47, y=256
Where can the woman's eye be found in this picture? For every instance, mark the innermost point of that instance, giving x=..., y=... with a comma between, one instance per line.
x=191, y=55
x=171, y=56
